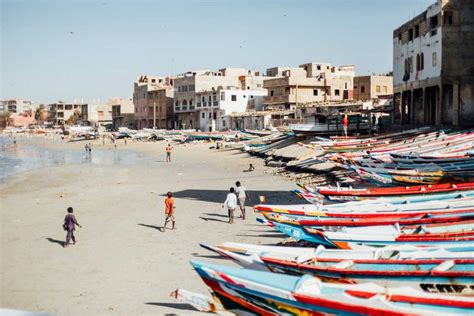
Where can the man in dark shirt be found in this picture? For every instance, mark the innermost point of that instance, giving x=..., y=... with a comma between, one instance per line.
x=69, y=225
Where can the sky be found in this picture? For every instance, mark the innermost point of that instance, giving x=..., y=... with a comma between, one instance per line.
x=71, y=50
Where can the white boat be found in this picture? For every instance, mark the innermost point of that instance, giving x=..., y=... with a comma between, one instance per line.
x=331, y=125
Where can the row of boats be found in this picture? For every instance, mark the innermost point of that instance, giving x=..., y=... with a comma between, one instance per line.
x=392, y=249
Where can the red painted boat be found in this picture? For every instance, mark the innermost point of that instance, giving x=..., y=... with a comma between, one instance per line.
x=399, y=191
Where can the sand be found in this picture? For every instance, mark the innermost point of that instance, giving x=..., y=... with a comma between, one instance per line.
x=123, y=264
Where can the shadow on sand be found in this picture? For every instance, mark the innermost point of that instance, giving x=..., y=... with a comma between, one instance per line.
x=218, y=196
x=213, y=219
x=160, y=228
x=181, y=306
x=55, y=241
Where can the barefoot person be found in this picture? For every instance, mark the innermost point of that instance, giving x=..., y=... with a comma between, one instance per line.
x=69, y=225
x=169, y=211
x=169, y=148
x=242, y=195
x=231, y=204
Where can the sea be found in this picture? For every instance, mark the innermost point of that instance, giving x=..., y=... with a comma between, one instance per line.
x=20, y=154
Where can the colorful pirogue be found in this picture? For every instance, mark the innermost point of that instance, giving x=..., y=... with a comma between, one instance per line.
x=390, y=250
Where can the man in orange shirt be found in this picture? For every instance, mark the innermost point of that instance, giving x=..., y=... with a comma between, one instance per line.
x=169, y=148
x=169, y=211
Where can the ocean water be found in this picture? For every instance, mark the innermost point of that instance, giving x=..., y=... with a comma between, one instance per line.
x=27, y=155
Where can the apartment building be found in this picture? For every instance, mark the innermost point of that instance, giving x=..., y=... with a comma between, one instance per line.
x=215, y=106
x=123, y=114
x=60, y=111
x=192, y=86
x=153, y=102
x=16, y=106
x=308, y=83
x=373, y=87
x=433, y=66
x=97, y=115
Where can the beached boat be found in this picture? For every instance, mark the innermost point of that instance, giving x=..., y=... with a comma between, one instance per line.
x=268, y=293
x=323, y=124
x=422, y=270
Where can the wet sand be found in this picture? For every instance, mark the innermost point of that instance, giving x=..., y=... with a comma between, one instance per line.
x=123, y=264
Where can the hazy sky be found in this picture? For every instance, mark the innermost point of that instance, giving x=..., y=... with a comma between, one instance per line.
x=65, y=50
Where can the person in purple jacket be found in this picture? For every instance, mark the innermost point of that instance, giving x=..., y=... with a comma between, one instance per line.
x=69, y=225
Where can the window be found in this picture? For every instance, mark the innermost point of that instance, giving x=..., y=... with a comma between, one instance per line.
x=318, y=67
x=400, y=36
x=345, y=85
x=190, y=102
x=434, y=61
x=410, y=35
x=418, y=62
x=209, y=99
x=68, y=106
x=203, y=99
x=214, y=98
x=433, y=25
x=203, y=115
x=422, y=61
x=184, y=102
x=315, y=92
x=385, y=89
x=233, y=97
x=377, y=89
x=362, y=89
x=271, y=93
x=210, y=115
x=336, y=92
x=222, y=96
x=417, y=31
x=223, y=123
x=447, y=18
x=215, y=115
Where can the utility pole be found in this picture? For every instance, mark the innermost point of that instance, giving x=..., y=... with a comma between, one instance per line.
x=154, y=115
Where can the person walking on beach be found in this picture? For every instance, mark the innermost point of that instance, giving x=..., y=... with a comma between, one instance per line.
x=345, y=123
x=169, y=148
x=90, y=148
x=169, y=211
x=242, y=195
x=86, y=147
x=231, y=203
x=69, y=225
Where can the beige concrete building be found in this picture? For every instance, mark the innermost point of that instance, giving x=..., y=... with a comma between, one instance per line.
x=16, y=106
x=433, y=66
x=60, y=112
x=97, y=114
x=373, y=87
x=123, y=113
x=153, y=99
x=190, y=86
x=308, y=83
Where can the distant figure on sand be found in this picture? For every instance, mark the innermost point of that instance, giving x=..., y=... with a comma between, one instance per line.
x=69, y=225
x=86, y=147
x=169, y=148
x=242, y=195
x=251, y=168
x=90, y=148
x=345, y=123
x=231, y=204
x=169, y=211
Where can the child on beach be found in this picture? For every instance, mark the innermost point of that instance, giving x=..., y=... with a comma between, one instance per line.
x=69, y=225
x=169, y=148
x=169, y=211
x=242, y=195
x=231, y=204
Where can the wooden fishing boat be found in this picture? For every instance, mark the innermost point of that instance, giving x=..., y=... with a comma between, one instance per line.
x=454, y=276
x=268, y=293
x=396, y=191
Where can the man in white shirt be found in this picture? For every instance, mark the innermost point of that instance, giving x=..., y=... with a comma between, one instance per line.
x=231, y=204
x=242, y=195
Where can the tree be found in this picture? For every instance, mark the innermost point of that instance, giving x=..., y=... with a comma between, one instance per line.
x=74, y=118
x=41, y=114
x=5, y=118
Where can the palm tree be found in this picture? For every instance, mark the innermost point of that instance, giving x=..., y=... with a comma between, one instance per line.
x=41, y=114
x=74, y=118
x=5, y=118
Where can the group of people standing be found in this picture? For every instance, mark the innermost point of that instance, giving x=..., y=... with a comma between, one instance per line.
x=236, y=197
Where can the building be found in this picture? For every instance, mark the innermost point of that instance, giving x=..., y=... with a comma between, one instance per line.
x=153, y=102
x=433, y=66
x=214, y=106
x=373, y=87
x=96, y=115
x=191, y=87
x=308, y=83
x=123, y=114
x=16, y=106
x=60, y=112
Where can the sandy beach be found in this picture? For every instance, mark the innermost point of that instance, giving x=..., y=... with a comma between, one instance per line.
x=122, y=264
